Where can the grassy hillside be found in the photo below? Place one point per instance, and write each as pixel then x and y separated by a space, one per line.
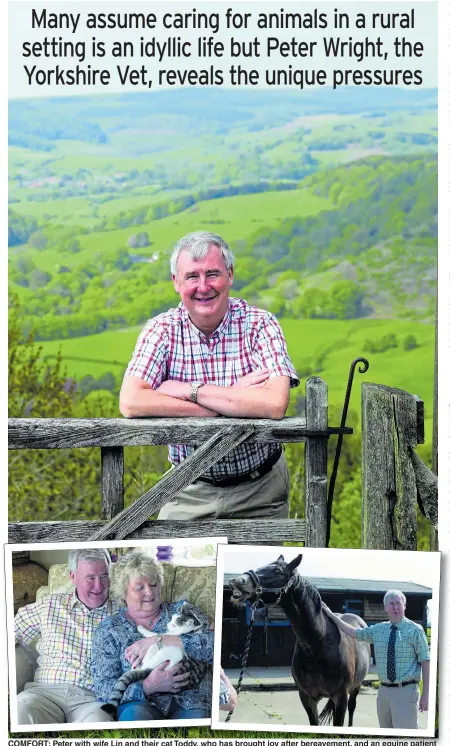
pixel 329 203
pixel 330 206
pixel 235 217
pixel 357 241
pixel 316 347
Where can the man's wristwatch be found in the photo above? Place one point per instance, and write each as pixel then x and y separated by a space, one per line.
pixel 195 385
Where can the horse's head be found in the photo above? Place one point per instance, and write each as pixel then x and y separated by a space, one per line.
pixel 271 578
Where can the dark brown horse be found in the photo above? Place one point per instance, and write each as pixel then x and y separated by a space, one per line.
pixel 326 662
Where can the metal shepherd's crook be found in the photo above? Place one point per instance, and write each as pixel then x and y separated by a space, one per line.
pixel 363 369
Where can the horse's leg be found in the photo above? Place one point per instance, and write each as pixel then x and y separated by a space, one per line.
pixel 340 708
pixel 311 708
pixel 352 704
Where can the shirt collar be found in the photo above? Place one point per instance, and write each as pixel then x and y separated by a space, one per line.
pixel 75 601
pixel 217 333
pixel 397 625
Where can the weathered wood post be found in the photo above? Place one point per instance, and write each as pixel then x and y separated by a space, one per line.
pixel 316 462
pixel 112 481
pixel 392 424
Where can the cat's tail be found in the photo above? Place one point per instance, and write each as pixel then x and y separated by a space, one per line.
pixel 127 678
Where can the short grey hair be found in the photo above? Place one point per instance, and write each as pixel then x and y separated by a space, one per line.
pixel 88 555
pixel 134 564
pixel 198 244
pixel 392 593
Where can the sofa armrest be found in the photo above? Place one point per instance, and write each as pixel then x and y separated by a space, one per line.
pixel 26 663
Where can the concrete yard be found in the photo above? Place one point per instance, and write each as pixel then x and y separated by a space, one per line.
pixel 283 706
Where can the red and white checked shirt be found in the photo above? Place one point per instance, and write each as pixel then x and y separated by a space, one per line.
pixel 170 347
pixel 66 629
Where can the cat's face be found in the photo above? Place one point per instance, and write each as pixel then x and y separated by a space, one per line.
pixel 183 622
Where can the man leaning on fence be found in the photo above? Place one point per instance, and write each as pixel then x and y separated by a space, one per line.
pixel 63 686
pixel 214 355
pixel 402 657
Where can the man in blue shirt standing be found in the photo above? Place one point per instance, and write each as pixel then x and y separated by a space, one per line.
pixel 402 657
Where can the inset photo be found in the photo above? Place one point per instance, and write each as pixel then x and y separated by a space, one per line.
pixel 111 631
pixel 327 640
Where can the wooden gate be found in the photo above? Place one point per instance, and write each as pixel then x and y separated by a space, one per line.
pixel 393 475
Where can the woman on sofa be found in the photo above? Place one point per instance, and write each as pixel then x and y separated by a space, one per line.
pixel 137 580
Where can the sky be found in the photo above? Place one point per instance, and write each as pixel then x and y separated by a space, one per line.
pixel 415 567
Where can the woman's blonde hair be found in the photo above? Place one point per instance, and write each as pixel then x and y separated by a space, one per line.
pixel 134 564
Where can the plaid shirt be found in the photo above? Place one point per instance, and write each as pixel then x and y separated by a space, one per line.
pixel 66 628
pixel 411 648
pixel 170 347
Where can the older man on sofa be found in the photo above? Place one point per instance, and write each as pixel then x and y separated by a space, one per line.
pixel 63 689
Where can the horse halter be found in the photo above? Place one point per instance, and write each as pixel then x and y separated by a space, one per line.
pixel 260 589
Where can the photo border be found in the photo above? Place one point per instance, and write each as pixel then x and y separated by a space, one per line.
pixel 110 544
pixel 364 555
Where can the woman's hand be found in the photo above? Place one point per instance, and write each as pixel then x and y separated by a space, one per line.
pixel 163 680
pixel 255 379
pixel 135 653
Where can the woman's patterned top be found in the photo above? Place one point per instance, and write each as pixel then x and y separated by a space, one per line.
pixel 116 633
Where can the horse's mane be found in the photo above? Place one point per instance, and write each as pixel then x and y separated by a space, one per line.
pixel 307 591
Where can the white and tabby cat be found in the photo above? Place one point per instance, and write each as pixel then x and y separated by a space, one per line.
pixel 182 623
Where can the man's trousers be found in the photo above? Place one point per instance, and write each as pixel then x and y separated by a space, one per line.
pixel 266 497
pixel 58 703
pixel 397 707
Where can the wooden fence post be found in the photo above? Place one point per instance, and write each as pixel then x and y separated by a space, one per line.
pixel 112 481
pixel 316 463
pixel 392 422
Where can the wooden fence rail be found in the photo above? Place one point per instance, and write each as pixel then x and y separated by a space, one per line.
pixel 213 438
pixel 393 475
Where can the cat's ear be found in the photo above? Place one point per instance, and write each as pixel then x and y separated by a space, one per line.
pixel 185 607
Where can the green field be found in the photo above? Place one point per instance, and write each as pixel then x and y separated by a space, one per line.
pixel 306 340
pixel 235 217
pixel 79 210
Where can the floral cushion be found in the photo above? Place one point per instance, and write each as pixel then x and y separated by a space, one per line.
pixel 58 582
pixel 196 585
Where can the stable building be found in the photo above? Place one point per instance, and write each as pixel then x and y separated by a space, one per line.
pixel 273 639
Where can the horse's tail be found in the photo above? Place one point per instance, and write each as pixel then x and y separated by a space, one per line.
pixel 327 714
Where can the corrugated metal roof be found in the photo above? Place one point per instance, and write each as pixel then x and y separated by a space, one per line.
pixel 357 584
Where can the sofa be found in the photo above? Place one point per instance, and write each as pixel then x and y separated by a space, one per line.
pixel 194 584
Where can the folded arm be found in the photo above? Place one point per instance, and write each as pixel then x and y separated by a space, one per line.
pixel 138 399
pixel 268 398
